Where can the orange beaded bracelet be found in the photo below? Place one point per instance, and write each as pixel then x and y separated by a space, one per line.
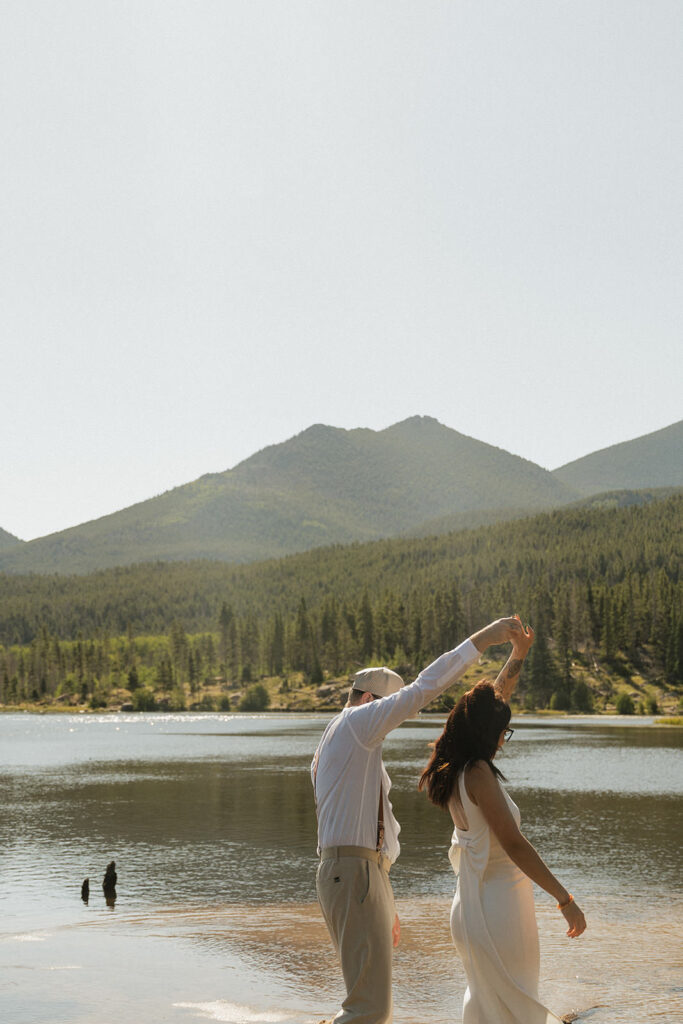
pixel 561 906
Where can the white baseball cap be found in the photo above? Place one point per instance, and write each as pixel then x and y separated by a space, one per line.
pixel 380 681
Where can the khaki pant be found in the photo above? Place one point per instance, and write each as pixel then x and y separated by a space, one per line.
pixel 357 902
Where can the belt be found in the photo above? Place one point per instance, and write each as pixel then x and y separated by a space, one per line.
pixel 333 852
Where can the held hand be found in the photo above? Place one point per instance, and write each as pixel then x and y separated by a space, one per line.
pixel 522 642
pixel 396 932
pixel 575 919
pixel 499 632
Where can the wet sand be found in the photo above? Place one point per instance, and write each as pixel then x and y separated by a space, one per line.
pixel 273 964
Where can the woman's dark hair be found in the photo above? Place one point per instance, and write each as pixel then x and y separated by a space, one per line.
pixel 471 733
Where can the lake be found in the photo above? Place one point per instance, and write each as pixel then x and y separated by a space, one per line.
pixel 211 822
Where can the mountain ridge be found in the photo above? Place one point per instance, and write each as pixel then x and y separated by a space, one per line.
pixel 8 541
pixel 329 485
pixel 651 460
pixel 323 486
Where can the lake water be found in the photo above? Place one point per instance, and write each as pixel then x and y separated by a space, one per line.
pixel 211 822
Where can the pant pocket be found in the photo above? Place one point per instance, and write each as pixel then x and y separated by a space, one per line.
pixel 365 875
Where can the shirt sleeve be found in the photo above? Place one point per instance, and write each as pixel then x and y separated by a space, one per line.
pixel 371 722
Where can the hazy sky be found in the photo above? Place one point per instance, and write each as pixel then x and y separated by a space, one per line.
pixel 225 221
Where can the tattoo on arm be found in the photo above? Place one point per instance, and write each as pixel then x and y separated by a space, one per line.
pixel 515 667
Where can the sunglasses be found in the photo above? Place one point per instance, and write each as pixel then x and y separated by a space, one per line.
pixel 508 734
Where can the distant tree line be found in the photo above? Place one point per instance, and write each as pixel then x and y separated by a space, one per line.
pixel 603 584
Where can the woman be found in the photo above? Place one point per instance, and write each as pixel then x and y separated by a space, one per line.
pixel 493 921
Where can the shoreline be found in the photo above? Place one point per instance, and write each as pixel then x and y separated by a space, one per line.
pixel 671 720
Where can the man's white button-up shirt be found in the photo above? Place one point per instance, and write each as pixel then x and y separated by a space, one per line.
pixel 347 766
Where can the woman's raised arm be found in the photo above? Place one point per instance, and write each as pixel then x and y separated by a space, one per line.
pixel 509 674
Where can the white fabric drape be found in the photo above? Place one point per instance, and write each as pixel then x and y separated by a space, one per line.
pixel 493 924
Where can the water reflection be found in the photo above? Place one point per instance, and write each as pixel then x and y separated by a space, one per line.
pixel 247 818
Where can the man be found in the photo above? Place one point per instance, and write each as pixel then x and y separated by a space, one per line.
pixel 357 830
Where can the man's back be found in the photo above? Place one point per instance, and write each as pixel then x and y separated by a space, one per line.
pixel 346 776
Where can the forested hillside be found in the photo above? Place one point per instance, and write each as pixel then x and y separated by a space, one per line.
pixel 602 587
pixel 654 460
pixel 604 500
pixel 324 486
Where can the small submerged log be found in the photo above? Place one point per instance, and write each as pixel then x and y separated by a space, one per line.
pixel 110 876
pixel 109 884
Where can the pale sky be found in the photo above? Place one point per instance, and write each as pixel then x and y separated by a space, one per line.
pixel 222 222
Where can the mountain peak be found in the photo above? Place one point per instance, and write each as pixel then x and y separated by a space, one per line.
pixel 414 424
pixel 419 421
pixel 319 430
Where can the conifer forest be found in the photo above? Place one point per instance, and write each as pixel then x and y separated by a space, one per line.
pixel 602 588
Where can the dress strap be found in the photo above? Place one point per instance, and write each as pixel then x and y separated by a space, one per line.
pixel 462 788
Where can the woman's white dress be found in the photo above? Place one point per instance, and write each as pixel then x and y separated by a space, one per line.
pixel 493 924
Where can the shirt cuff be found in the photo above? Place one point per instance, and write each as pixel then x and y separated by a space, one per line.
pixel 468 651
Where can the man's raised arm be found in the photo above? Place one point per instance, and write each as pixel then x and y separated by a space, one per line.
pixel 379 717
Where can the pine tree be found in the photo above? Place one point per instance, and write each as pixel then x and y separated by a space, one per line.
pixel 563 694
pixel 277 646
pixel 608 640
pixel 225 620
pixel 367 639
